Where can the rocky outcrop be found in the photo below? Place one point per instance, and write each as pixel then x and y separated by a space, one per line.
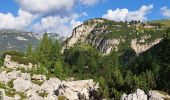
pixel 74 90
pixel 107 36
pixel 140 95
pixel 139 48
pixel 14 65
pixel 22 85
pixel 50 85
pixel 81 32
pixel 157 95
pixel 41 78
pixel 51 89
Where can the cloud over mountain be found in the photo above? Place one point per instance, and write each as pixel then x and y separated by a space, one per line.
pixel 124 14
pixel 165 11
pixel 10 21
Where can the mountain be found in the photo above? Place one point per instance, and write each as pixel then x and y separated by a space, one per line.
pixel 107 35
pixel 16 40
pixel 19 40
pixel 165 22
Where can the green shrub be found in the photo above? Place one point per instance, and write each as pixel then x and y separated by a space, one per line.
pixel 61 97
pixel 10 83
pixel 43 94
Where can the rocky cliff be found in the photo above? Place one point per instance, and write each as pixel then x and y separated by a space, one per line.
pixel 107 35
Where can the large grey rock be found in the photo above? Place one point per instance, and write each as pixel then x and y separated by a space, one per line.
pixel 17 97
pixel 138 95
pixel 74 90
pixel 35 97
pixel 8 98
pixel 51 97
pixel 39 77
pixel 6 77
pixel 2 94
pixel 13 75
pixel 14 65
pixel 21 84
pixel 155 95
pixel 32 90
pixel 50 85
pixel 3 77
pixel 26 76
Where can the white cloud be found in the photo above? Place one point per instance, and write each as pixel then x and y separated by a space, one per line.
pixel 56 24
pixel 125 14
pixel 45 6
pixel 165 11
pixel 9 21
pixel 117 15
pixel 89 2
pixel 56 16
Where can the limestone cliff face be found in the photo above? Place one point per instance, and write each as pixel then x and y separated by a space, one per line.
pixel 106 36
pixel 81 32
pixel 142 48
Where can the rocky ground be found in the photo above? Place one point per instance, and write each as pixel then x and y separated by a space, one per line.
pixel 141 95
pixel 16 85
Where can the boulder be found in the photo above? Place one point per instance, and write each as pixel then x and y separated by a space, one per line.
pixel 14 65
pixel 39 77
pixel 155 95
pixel 3 77
pixel 26 76
pixel 13 75
pixel 50 85
pixel 138 95
pixel 35 97
pixel 34 89
pixel 74 90
pixel 51 97
pixel 2 94
pixel 17 97
pixel 8 98
pixel 21 85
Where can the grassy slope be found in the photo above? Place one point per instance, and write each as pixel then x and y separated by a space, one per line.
pixel 166 22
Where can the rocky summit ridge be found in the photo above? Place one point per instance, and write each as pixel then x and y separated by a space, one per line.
pixel 107 35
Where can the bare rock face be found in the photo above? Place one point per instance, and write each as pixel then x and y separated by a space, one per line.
pixel 155 95
pixel 142 48
pixel 26 76
pixel 81 32
pixel 140 95
pixel 50 85
pixel 41 78
pixel 107 37
pixel 6 77
pixel 14 65
pixel 74 90
pixel 22 85
pixel 2 94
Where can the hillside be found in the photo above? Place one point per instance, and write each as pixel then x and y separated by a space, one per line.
pixel 107 35
pixel 19 40
pixel 136 56
pixel 165 22
pixel 16 40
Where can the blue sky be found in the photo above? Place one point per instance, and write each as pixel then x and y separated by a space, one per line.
pixel 61 16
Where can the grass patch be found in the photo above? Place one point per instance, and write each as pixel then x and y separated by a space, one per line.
pixel 37 82
pixel 10 83
pixel 162 92
pixel 43 94
pixel 22 95
pixel 61 97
